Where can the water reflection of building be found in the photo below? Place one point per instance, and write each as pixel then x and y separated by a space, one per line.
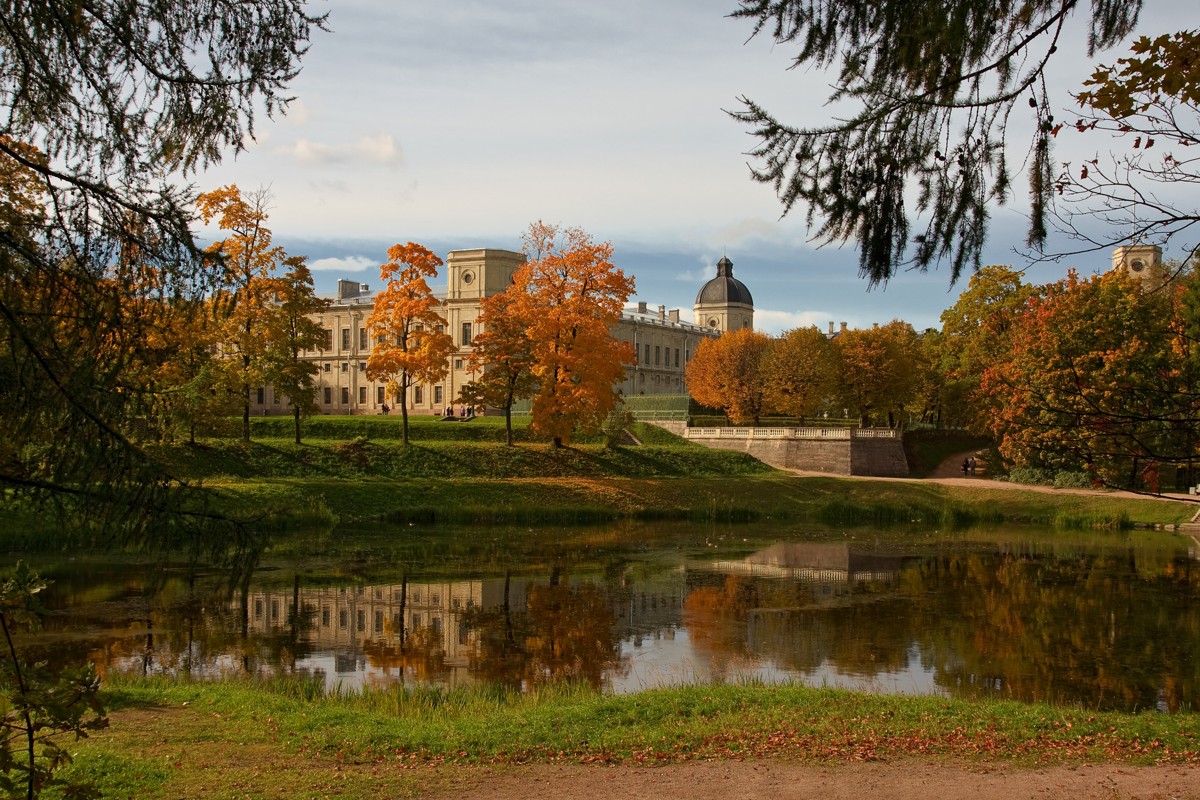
pixel 815 562
pixel 351 620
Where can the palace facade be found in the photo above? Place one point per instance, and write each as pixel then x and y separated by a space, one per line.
pixel 664 343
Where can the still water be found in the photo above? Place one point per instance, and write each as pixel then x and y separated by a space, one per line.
pixel 1105 621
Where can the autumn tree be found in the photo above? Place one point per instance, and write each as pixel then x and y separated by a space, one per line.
pixel 570 294
pixel 411 346
pixel 502 355
pixel 922 99
pixel 1102 376
pixel 123 100
pixel 1143 189
pixel 246 296
pixel 293 331
pixel 877 370
pixel 727 373
pixel 976 334
pixel 800 371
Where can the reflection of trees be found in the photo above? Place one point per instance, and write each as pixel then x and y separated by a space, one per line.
pixel 565 633
pixel 1087 630
pixel 420 656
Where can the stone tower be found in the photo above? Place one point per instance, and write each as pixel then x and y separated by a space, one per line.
pixel 1142 262
pixel 724 303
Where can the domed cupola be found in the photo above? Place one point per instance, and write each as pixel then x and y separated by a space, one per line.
pixel 724 303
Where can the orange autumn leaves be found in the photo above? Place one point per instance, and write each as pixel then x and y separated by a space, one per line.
pixel 547 337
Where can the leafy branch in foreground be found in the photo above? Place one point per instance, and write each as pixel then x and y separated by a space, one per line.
pixel 40 706
pixel 926 90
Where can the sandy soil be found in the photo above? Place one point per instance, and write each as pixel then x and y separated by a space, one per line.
pixel 907 780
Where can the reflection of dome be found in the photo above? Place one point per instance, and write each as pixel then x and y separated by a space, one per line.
pixel 724 288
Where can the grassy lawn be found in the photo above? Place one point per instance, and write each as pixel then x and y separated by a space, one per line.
pixel 288 740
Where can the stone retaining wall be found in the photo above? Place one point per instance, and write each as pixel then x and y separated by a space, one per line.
pixel 870 452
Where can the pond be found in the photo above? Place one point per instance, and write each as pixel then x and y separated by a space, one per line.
pixel 1108 621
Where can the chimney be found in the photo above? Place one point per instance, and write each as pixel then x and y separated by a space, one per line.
pixel 831 327
pixel 843 327
pixel 673 315
pixel 642 309
pixel 662 313
pixel 346 288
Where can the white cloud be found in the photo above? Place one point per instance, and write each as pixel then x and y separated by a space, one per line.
pixel 694 276
pixel 310 152
pixel 770 321
pixel 380 148
pixel 345 264
pixel 377 148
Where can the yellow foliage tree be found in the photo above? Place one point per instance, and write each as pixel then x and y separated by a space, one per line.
pixel 570 294
pixel 411 343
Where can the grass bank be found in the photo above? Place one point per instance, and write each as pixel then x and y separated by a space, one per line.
pixel 286 738
pixel 772 496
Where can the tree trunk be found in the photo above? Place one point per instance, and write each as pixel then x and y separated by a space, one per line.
pixel 508 424
pixel 296 417
pixel 404 416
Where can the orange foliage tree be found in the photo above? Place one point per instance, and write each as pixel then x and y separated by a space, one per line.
pixel 503 355
pixel 1102 376
pixel 294 331
pixel 411 344
pixel 570 295
pixel 878 370
pixel 726 373
pixel 247 292
pixel 800 372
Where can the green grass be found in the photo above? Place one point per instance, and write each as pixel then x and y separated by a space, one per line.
pixel 177 739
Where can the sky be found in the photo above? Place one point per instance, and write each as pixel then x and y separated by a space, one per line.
pixel 457 123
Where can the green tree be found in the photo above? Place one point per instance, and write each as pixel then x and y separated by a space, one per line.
pixel 799 371
pixel 293 332
pixel 124 98
pixel 922 95
pixel 411 344
pixel 502 354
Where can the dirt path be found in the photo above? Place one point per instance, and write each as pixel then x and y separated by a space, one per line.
pixel 904 780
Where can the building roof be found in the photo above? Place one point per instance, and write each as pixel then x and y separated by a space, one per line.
pixel 724 288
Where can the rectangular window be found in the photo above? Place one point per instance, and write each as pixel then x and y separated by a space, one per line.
pixel 345 395
pixel 362 394
pixel 260 394
pixel 342 618
pixel 458 363
pixel 345 366
pixel 437 395
pixel 378 622
pixel 327 366
pixel 328 395
pixel 362 338
pixel 379 395
pixel 361 619
pixel 362 366
pixel 328 343
pixel 325 617
pixel 646 360
pixel 258 609
pixel 657 355
pixel 418 395
pixel 466 334
pixel 345 338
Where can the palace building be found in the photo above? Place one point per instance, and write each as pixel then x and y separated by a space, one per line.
pixel 664 343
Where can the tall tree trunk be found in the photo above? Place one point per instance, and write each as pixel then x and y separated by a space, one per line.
pixel 508 424
pixel 296 417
